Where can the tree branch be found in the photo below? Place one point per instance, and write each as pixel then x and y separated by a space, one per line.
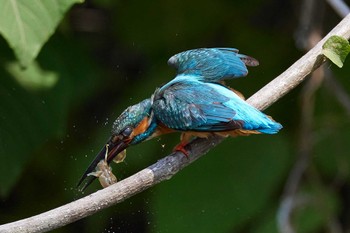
pixel 165 168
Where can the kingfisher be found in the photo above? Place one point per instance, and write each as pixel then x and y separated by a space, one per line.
pixel 196 103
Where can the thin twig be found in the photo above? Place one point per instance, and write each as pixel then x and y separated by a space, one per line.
pixel 167 167
pixel 311 16
pixel 340 7
pixel 309 33
pixel 290 196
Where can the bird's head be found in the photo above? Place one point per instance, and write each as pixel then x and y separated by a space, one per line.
pixel 133 126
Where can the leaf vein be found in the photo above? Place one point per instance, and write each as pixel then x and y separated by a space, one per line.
pixel 19 22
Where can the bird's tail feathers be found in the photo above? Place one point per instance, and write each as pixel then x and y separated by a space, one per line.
pixel 249 61
pixel 272 128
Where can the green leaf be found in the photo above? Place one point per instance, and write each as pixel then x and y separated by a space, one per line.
pixel 32 78
pixel 27 25
pixel 336 48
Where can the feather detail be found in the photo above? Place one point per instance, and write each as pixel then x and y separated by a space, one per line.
pixel 212 64
pixel 191 105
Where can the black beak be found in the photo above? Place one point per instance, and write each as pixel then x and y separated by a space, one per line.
pixel 113 150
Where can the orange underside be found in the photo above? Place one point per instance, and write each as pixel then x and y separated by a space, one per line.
pixel 141 127
pixel 186 137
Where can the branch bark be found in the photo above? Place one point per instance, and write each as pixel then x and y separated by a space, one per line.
pixel 165 168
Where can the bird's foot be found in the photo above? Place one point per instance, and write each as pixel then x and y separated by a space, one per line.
pixel 181 148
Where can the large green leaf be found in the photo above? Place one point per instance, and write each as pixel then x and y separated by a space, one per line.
pixel 27 25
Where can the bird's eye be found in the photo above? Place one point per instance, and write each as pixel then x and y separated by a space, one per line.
pixel 127 131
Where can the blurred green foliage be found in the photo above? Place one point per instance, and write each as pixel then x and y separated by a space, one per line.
pixel 106 55
pixel 27 25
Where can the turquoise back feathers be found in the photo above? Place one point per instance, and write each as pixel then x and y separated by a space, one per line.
pixel 192 105
pixel 212 64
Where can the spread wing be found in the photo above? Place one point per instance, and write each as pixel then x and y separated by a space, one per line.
pixel 212 64
pixel 184 106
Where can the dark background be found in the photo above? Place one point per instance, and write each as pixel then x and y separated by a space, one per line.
pixel 112 54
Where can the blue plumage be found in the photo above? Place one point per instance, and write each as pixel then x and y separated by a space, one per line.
pixel 196 102
pixel 189 104
pixel 212 64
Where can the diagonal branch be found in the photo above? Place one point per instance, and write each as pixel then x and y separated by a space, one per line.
pixel 339 7
pixel 165 168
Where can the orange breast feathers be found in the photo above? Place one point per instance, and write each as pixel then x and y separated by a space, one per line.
pixel 141 127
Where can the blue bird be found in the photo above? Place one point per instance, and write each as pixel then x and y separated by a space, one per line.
pixel 196 103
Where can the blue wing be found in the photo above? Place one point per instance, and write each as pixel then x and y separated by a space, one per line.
pixel 212 64
pixel 207 107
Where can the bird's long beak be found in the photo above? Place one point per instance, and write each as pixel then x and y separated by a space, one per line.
pixel 108 152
